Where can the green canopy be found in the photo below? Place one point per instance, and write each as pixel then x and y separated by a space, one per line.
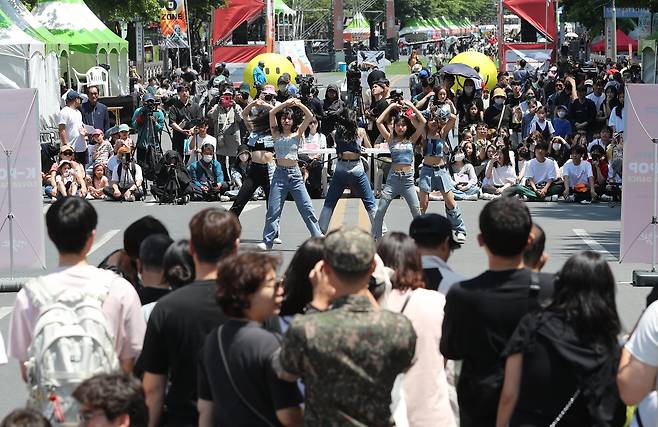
pixel 19 15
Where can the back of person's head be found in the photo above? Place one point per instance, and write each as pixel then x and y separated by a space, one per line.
pixel 139 230
pixel 178 265
pixel 533 254
pixel 117 395
pixel 238 277
pixel 399 253
pixel 350 253
pixel 213 234
pixel 297 287
pixel 505 225
pixel 430 231
pixel 25 418
pixel 585 290
pixel 152 251
pixel 70 222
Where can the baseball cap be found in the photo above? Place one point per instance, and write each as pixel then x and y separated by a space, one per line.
pixel 124 128
pixel 499 91
pixel 269 89
pixel 63 162
pixel 65 147
pixel 148 97
pixel 423 74
pixel 416 68
pixel 589 82
pixel 228 92
pixel 562 107
pixel 71 95
pixel 219 80
pixel 349 249
pixel 430 230
pixel 97 132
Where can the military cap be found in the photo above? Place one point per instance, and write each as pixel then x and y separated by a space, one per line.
pixel 349 249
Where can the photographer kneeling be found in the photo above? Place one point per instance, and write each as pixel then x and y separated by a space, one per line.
pixel 207 177
pixel 148 121
pixel 127 179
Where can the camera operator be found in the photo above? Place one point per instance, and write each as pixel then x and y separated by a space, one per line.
pixel 148 121
pixel 333 108
pixel 285 89
pixel 126 180
pixel 226 116
pixel 181 115
pixel 379 91
pixel 308 95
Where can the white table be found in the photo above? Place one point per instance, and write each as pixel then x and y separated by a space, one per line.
pixel 372 155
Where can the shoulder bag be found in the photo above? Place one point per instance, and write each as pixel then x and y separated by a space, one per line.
pixel 260 416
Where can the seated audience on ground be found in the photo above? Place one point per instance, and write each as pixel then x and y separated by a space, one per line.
pixel 127 180
pixel 207 176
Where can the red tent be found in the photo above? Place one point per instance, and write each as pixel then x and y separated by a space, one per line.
pixel 536 12
pixel 622 43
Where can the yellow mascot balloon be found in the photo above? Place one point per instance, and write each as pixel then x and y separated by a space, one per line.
pixel 275 65
pixel 488 69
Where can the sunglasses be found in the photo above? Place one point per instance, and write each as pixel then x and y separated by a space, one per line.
pixel 67 153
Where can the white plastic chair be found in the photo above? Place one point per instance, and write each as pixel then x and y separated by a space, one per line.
pixel 81 79
pixel 98 76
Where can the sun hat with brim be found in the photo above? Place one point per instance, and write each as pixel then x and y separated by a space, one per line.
pixel 65 147
pixel 124 128
pixel 269 89
pixel 97 132
pixel 64 162
pixel 499 91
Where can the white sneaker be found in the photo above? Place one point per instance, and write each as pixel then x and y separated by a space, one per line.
pixel 278 241
pixel 458 237
pixel 262 246
pixel 224 198
pixel 571 198
pixel 606 198
pixel 470 197
pixel 585 202
pixel 551 198
pixel 487 196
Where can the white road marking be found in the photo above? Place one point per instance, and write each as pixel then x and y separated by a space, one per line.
pixel 4 311
pixel 593 244
pixel 103 240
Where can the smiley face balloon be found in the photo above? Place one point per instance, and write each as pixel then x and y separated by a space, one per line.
pixel 488 69
pixel 275 65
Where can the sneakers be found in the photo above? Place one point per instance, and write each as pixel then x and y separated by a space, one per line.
pixel 488 196
pixel 224 198
pixel 606 198
pixel 551 198
pixel 458 237
pixel 262 247
pixel 470 197
pixel 585 202
pixel 278 241
pixel 570 198
pixel 130 198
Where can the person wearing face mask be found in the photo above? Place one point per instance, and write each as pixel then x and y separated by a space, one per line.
pixel 207 176
pixel 561 123
pixel 465 99
pixel 559 150
pixel 282 92
pixel 560 97
pixel 226 117
pixel 498 114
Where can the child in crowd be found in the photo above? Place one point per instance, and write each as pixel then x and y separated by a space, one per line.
pixel 102 148
pixel 97 182
pixel 561 124
pixel 66 180
pixel 542 125
pixel 528 118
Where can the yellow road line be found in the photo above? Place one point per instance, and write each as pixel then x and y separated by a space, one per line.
pixel 364 219
pixel 339 214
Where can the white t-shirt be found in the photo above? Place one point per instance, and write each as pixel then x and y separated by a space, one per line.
pixel 541 172
pixel 577 174
pixel 502 175
pixel 535 124
pixel 127 180
pixel 72 120
pixel 643 345
pixel 597 100
pixel 595 142
pixel 615 122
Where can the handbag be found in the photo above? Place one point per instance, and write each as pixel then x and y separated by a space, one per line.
pixel 260 416
pixel 565 409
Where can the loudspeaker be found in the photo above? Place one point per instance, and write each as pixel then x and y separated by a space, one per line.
pixel 528 32
pixel 645 278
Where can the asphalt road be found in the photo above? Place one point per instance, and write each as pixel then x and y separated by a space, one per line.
pixel 570 228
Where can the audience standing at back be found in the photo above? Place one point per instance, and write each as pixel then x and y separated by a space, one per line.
pixel 181 320
pixel 150 268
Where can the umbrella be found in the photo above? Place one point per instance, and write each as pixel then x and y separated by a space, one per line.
pixel 460 70
pixel 571 35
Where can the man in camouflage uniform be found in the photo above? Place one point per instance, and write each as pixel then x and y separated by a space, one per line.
pixel 349 355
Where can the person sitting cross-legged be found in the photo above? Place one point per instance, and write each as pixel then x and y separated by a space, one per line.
pixel 540 174
pixel 207 176
pixel 126 180
pixel 578 177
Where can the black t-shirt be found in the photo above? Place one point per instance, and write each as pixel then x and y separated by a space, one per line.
pixel 480 316
pixel 175 333
pixel 148 295
pixel 183 114
pixel 248 349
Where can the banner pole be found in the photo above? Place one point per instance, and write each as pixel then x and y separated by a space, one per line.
pixel 10 216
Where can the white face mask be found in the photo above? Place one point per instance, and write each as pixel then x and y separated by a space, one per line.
pixel 556 146
pixel 244 157
pixel 468 90
pixel 207 158
pixel 282 88
pixel 561 114
pixel 499 101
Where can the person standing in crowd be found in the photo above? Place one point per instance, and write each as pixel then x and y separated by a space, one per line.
pixel 559 97
pixel 521 75
pixel 424 386
pixel 347 381
pixel 287 178
pixel 237 385
pixel 112 399
pixel 225 117
pixel 616 120
pixel 349 172
pixel 333 108
pixel 582 113
pixel 259 77
pixel 150 268
pixel 578 177
pixel 597 96
pixel 482 313
pixel 535 257
pixel 95 113
pixel 466 99
pixel 147 134
pixel 25 418
pixel 71 225
pixel 181 320
pixel 498 114
pixel 182 116
pixel 561 361
pixel 400 140
pixel 379 90
pixel 298 297
pixel 71 128
pixel 540 174
pixel 414 80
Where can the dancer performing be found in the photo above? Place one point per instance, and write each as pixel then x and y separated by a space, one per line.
pixel 348 140
pixel 400 181
pixel 434 175
pixel 287 176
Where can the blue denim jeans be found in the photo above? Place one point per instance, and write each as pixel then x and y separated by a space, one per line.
pixel 348 174
pixel 459 194
pixel 288 180
pixel 434 179
pixel 397 184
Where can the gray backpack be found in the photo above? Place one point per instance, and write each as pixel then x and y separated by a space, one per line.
pixel 71 342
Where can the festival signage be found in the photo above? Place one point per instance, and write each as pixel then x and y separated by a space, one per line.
pixel 173 25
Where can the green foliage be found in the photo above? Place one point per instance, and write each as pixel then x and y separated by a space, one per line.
pixel 483 11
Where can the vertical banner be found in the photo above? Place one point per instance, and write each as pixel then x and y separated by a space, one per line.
pixel 297 51
pixel 610 38
pixel 19 117
pixel 641 125
pixel 338 24
pixel 390 19
pixel 173 25
pixel 270 26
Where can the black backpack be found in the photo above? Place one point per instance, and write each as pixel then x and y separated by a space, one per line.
pixel 151 161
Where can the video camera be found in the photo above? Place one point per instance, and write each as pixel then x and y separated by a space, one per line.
pixel 150 106
pixel 353 76
pixel 305 83
pixel 396 96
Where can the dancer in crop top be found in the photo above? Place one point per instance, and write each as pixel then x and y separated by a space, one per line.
pixel 434 174
pixel 287 176
pixel 349 172
pixel 400 181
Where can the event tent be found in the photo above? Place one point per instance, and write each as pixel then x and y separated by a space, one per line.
pixel 358 29
pixel 90 41
pixel 623 41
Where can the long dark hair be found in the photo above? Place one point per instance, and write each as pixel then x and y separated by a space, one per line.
pixel 297 288
pixel 620 105
pixel 410 127
pixel 261 122
pixel 287 112
pixel 347 124
pixel 585 291
pixel 399 252
pixel 178 265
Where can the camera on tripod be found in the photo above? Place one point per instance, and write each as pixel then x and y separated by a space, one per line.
pixel 353 77
pixel 305 83
pixel 150 106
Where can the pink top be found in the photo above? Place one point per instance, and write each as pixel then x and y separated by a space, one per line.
pixel 122 308
pixel 425 384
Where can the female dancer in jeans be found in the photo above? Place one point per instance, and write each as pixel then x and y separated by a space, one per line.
pixel 434 174
pixel 349 170
pixel 287 176
pixel 400 181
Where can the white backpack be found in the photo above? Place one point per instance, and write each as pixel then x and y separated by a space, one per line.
pixel 71 342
